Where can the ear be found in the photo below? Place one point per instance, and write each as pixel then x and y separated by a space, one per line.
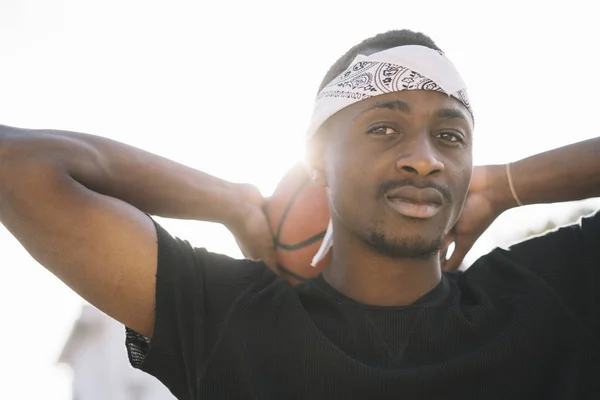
pixel 315 159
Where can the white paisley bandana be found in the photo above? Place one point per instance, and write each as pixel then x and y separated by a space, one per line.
pixel 393 70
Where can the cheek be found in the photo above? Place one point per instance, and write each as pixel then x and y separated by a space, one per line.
pixel 467 172
pixel 348 182
pixel 462 179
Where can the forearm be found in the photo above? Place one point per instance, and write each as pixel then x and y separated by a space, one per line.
pixel 565 174
pixel 151 183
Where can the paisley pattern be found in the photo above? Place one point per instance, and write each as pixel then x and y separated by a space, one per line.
pixel 366 79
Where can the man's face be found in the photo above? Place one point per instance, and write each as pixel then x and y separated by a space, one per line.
pixel 397 168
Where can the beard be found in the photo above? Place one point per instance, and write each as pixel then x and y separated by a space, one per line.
pixel 415 247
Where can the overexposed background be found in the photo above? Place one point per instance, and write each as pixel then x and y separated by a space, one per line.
pixel 227 87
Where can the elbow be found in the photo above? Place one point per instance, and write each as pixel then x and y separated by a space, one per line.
pixel 3 141
pixel 24 152
pixel 21 148
pixel 17 160
pixel 5 150
pixel 8 142
pixel 11 153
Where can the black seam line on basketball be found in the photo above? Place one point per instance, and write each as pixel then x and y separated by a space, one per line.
pixel 298 246
pixel 290 273
pixel 289 207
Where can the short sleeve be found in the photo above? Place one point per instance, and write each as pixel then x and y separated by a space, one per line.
pixel 568 260
pixel 195 290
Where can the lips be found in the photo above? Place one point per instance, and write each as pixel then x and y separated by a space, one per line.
pixel 416 195
pixel 415 202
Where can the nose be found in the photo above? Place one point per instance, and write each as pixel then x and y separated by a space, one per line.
pixel 418 157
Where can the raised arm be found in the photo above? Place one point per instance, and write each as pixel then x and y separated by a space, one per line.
pixel 76 202
pixel 565 174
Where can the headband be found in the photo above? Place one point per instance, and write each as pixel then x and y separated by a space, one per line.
pixel 393 70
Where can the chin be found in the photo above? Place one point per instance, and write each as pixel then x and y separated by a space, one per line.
pixel 418 247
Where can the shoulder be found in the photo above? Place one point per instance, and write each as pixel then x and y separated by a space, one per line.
pixel 564 250
pixel 560 266
pixel 564 244
pixel 188 274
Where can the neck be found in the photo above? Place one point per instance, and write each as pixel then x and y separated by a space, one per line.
pixel 369 278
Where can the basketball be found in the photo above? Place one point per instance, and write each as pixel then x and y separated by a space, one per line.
pixel 298 214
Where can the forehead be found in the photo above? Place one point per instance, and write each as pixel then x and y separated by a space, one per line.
pixel 424 103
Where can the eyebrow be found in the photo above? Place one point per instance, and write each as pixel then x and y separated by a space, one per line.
pixel 450 113
pixel 395 105
pixel 398 105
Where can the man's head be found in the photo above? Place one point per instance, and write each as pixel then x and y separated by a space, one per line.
pixel 397 166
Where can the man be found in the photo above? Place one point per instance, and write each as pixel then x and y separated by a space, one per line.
pixel 393 146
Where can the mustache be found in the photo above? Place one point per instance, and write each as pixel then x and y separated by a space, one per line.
pixel 386 186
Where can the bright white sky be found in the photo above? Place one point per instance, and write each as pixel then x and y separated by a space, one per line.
pixel 227 87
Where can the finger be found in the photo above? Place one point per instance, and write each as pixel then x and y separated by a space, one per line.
pixel 443 255
pixel 244 251
pixel 449 238
pixel 446 244
pixel 266 252
pixel 271 261
pixel 460 251
pixel 442 258
pixel 266 256
pixel 269 257
pixel 251 252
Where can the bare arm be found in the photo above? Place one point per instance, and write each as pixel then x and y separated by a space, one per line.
pixel 74 201
pixel 565 174
pixel 151 183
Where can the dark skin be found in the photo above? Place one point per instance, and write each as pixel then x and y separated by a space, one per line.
pixel 567 173
pixel 74 201
pixel 411 139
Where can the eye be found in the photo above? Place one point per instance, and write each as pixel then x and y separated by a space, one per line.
pixel 382 130
pixel 451 137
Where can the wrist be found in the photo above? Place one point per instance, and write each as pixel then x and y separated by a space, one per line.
pixel 235 205
pixel 498 189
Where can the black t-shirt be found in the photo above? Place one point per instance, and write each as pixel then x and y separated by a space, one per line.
pixel 522 323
